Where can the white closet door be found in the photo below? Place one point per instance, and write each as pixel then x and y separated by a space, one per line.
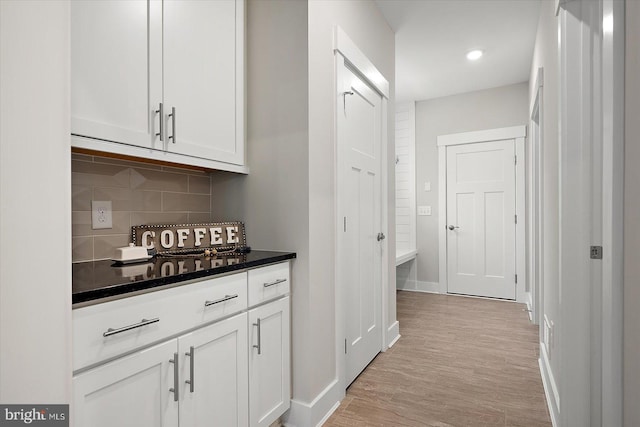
pixel 359 124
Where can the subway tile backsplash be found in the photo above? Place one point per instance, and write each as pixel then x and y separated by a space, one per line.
pixel 140 193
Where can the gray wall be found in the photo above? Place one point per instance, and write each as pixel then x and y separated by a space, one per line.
pixel 631 224
pixel 288 200
pixel 273 200
pixel 486 109
pixel 546 55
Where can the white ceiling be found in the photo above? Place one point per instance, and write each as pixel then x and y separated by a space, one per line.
pixel 434 36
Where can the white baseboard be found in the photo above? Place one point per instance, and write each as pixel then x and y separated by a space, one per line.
pixel 393 334
pixel 328 414
pixel 419 286
pixel 550 386
pixel 302 414
pixel 524 297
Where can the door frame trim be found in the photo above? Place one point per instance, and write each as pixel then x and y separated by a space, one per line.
pixel 518 134
pixel 535 187
pixel 347 53
pixel 591 141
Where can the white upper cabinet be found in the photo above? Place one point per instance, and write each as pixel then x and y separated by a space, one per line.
pixel 116 70
pixel 129 58
pixel 203 78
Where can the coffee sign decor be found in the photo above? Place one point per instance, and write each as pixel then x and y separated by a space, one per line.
pixel 184 238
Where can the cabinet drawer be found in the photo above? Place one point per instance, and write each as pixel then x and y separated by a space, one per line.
pixel 269 282
pixel 144 319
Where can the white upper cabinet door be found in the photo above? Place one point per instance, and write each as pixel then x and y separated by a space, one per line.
pixel 203 78
pixel 116 70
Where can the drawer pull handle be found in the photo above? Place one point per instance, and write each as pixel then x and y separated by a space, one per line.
pixel 143 322
pixel 174 389
pixel 276 282
pixel 259 346
pixel 191 354
pixel 218 301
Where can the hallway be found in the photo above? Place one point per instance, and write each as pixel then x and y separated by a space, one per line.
pixel 460 362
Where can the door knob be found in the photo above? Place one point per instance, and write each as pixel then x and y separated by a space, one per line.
pixel 452 227
pixel 381 236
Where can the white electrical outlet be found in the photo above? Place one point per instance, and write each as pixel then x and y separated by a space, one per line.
pixel 101 216
pixel 424 210
pixel 427 186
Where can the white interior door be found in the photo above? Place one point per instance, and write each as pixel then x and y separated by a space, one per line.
pixel 359 132
pixel 481 242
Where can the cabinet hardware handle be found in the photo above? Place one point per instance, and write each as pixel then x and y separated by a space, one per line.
pixel 259 346
pixel 143 322
pixel 160 112
pixel 218 301
pixel 266 285
pixel 344 100
pixel 173 124
pixel 174 389
pixel 192 355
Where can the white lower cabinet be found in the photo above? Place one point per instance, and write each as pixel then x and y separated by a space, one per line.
pixel 207 386
pixel 269 362
pixel 130 392
pixel 214 361
pixel 227 373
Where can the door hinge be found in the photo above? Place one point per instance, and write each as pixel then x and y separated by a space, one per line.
pixel 516 216
pixel 345 346
pixel 345 224
pixel 596 252
pixel 516 279
pixel 516 160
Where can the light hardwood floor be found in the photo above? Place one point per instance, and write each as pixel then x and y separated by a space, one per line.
pixel 460 362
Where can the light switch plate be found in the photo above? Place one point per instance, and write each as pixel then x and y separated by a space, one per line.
pixel 101 215
pixel 427 186
pixel 424 210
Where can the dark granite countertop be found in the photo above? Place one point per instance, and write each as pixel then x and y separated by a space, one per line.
pixel 94 281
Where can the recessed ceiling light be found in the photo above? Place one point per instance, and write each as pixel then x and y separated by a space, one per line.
pixel 474 54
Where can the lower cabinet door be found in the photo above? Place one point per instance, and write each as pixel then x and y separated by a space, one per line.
pixel 214 383
pixel 133 391
pixel 269 362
